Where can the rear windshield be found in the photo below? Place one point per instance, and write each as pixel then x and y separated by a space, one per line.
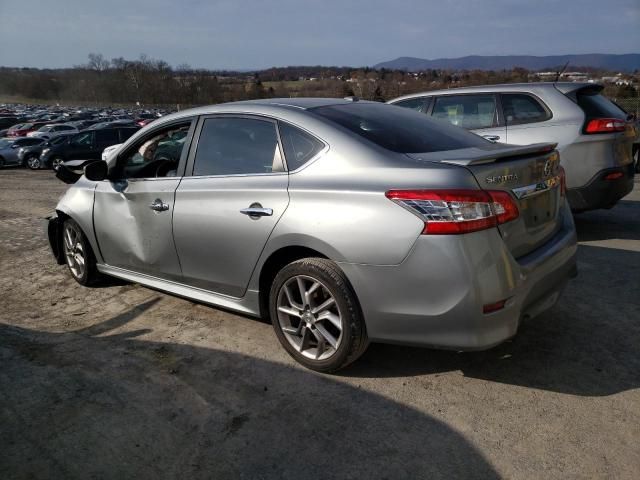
pixel 399 129
pixel 598 106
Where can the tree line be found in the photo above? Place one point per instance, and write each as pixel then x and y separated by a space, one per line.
pixel 152 82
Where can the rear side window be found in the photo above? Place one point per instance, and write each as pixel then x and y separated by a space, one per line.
pixel 299 147
pixel 596 105
pixel 466 111
pixel 107 136
pixel 125 133
pixel 519 108
pixel 398 129
pixel 419 104
pixel 237 146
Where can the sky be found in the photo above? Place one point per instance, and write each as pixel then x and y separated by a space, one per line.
pixel 254 34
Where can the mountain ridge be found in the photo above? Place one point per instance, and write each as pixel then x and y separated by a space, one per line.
pixel 626 62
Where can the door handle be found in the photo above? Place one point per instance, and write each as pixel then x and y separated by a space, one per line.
pixel 492 138
pixel 159 206
pixel 256 211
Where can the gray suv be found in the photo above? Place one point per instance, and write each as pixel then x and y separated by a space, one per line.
pixel 594 136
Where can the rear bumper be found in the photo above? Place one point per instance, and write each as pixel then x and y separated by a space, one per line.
pixel 436 296
pixel 601 192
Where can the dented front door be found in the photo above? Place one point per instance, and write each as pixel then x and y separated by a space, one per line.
pixel 133 225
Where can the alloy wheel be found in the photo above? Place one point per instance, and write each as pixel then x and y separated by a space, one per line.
pixel 74 250
pixel 309 317
pixel 33 162
pixel 56 162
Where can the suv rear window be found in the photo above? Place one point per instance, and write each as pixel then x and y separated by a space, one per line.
pixel 596 105
pixel 399 129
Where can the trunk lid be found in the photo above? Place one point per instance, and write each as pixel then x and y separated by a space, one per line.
pixel 530 174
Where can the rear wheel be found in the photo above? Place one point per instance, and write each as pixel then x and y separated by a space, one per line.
pixel 316 315
pixel 78 254
pixel 56 162
pixel 1 162
pixel 33 162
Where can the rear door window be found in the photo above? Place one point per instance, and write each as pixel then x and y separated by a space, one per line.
pixel 237 146
pixel 106 137
pixel 467 111
pixel 519 108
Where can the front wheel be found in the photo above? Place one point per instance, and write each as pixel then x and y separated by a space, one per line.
pixel 316 315
pixel 78 254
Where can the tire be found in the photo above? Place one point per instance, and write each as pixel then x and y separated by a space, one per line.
pixel 78 254
pixel 1 162
pixel 308 332
pixel 33 162
pixel 636 159
pixel 55 162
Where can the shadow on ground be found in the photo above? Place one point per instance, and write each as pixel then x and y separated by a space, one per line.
pixel 86 405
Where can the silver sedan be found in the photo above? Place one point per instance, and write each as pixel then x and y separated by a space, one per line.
pixel 342 221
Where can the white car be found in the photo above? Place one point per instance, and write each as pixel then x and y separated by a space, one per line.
pixel 49 131
pixel 107 151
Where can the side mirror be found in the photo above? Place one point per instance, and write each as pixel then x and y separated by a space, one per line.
pixel 96 171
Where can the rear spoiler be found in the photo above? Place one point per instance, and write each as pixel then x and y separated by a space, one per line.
pixel 492 154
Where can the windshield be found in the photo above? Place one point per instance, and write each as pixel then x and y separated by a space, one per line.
pixel 399 129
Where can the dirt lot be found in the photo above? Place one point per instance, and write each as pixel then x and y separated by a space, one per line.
pixel 126 382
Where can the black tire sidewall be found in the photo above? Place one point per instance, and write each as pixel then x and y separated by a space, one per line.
pixel 332 277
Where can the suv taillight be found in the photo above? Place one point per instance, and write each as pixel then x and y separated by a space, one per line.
pixel 451 212
pixel 605 125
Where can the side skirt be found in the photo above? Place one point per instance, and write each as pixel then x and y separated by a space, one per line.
pixel 248 305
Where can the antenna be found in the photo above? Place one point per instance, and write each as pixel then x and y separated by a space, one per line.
pixel 562 71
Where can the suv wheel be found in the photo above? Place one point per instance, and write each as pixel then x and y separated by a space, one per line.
pixel 78 254
pixel 316 315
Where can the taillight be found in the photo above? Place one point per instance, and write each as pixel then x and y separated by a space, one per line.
pixel 605 125
pixel 457 211
pixel 563 180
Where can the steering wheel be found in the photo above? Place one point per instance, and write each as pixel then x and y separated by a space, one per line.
pixel 165 165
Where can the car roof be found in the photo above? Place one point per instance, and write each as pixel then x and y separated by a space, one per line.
pixel 563 87
pixel 262 106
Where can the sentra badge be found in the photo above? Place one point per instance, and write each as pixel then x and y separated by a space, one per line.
pixel 512 177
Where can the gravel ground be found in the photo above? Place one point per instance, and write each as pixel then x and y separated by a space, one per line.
pixel 126 382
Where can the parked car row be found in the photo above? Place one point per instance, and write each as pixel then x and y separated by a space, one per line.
pixel 596 139
pixel 58 134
